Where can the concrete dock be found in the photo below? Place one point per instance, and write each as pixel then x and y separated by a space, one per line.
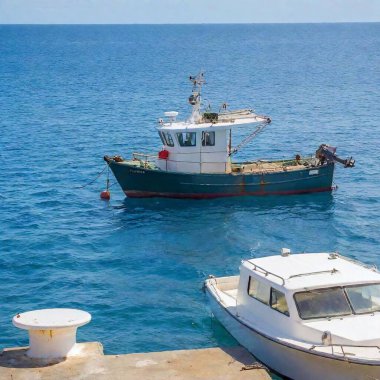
pixel 232 363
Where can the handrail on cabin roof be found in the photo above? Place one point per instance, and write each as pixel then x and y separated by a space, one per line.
pixel 332 256
pixel 332 271
pixel 266 272
pixel 336 255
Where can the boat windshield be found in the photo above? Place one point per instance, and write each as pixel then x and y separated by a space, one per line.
pixel 322 303
pixel 364 298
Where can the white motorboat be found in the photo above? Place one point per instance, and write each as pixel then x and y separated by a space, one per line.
pixel 306 316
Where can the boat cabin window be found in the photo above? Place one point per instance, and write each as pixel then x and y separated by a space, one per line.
pixel 259 290
pixel 166 138
pixel 187 138
pixel 322 303
pixel 208 138
pixel 267 295
pixel 278 301
pixel 162 138
pixel 364 298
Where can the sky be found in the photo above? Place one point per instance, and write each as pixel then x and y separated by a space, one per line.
pixel 186 11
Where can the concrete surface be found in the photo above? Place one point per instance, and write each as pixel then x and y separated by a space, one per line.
pixel 233 363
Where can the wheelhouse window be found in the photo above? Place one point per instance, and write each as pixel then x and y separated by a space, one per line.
pixel 278 301
pixel 208 138
pixel 364 298
pixel 162 137
pixel 259 290
pixel 322 303
pixel 187 138
pixel 166 138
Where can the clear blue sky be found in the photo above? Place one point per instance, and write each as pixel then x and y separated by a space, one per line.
pixel 185 11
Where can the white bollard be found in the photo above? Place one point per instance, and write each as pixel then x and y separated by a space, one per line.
pixel 52 332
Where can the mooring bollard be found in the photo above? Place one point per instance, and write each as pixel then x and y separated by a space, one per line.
pixel 52 332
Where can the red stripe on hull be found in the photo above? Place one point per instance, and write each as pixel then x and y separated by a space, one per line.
pixel 148 194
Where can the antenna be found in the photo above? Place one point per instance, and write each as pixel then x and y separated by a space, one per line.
pixel 195 97
pixel 198 80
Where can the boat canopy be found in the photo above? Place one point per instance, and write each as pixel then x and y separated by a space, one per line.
pixel 225 125
pixel 312 270
pixel 225 119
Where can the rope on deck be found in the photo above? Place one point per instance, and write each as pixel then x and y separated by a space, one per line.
pixel 255 365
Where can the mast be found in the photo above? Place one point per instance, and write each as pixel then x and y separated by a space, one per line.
pixel 195 97
pixel 230 143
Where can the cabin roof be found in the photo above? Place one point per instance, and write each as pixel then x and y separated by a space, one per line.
pixel 184 125
pixel 312 270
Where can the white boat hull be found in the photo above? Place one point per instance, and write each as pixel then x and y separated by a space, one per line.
pixel 290 362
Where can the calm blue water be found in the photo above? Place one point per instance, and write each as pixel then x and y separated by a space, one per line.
pixel 70 94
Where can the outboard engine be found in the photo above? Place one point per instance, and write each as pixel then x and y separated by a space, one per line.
pixel 326 153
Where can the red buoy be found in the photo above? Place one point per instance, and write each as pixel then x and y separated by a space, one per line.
pixel 106 195
pixel 163 154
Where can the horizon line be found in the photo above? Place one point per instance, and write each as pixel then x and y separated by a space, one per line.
pixel 193 23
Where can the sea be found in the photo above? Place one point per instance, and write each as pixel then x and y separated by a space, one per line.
pixel 71 94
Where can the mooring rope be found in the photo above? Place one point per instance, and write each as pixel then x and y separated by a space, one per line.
pixel 91 182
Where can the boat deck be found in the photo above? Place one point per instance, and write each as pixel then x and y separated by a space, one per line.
pixel 270 166
pixel 254 167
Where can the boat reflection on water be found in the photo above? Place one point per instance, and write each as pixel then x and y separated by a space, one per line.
pixel 307 206
pixel 316 202
pixel 225 229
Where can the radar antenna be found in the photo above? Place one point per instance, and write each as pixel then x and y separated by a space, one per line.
pixel 198 80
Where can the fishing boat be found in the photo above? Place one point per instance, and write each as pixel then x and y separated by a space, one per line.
pixel 196 159
pixel 306 316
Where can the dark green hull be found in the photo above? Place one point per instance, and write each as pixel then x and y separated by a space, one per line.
pixel 137 181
